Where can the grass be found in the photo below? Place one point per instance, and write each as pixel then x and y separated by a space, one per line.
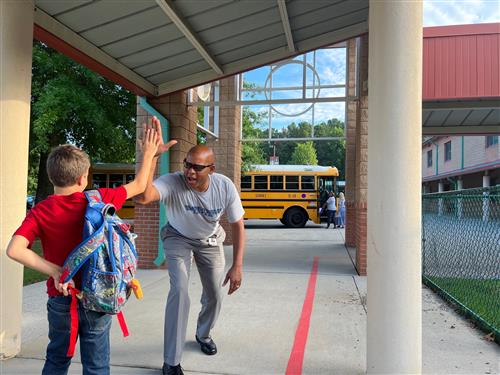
pixel 480 296
pixel 32 276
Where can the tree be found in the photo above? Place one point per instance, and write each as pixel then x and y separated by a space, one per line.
pixel 71 104
pixel 252 127
pixel 304 154
pixel 331 153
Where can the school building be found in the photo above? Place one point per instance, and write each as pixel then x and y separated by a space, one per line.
pixel 455 163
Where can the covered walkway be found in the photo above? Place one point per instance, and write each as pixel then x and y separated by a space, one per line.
pixel 261 324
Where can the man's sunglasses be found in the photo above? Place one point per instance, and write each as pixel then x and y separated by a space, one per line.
pixel 196 167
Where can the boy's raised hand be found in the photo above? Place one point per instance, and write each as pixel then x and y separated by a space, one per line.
pixel 150 141
pixel 162 147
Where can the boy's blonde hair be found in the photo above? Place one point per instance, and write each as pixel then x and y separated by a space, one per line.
pixel 65 164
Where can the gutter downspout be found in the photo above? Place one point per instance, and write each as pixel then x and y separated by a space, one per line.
pixel 463 156
pixel 164 168
pixel 437 156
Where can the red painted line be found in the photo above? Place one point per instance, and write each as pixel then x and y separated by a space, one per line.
pixel 296 359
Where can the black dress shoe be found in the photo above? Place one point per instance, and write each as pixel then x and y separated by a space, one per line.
pixel 209 348
pixel 172 370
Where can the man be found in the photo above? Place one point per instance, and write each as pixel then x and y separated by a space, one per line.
pixel 195 201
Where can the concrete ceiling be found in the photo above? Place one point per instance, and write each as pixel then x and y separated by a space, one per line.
pixel 465 117
pixel 163 46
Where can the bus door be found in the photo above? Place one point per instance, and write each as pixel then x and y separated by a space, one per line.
pixel 326 184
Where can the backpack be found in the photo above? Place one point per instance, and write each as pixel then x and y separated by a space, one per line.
pixel 107 260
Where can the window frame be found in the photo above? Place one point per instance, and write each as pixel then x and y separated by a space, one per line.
pixel 429 158
pixel 251 182
pixel 255 182
pixel 298 182
pixel 447 151
pixel 271 182
pixel 313 183
pixel 491 140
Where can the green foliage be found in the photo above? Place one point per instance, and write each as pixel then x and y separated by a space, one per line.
pixel 31 276
pixel 71 104
pixel 252 128
pixel 478 295
pixel 201 138
pixel 304 154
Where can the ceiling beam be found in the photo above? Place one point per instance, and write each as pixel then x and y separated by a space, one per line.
pixel 263 58
pixel 58 36
pixel 461 130
pixel 168 8
pixel 286 25
pixel 479 103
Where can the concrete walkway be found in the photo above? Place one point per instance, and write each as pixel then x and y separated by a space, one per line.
pixel 257 327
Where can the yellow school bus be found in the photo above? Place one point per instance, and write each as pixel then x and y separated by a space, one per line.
pixel 111 175
pixel 291 193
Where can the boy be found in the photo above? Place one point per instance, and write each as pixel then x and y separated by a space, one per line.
pixel 58 222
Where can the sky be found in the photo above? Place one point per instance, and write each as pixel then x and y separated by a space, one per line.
pixel 330 64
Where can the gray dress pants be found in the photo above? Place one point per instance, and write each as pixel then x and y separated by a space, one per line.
pixel 210 261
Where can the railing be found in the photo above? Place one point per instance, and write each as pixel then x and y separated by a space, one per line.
pixel 461 251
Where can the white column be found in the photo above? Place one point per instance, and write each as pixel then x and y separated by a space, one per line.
pixel 394 340
pixel 486 198
pixel 460 186
pixel 440 186
pixel 16 38
pixel 486 180
pixel 440 200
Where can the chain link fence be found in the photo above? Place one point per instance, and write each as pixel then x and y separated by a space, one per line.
pixel 461 251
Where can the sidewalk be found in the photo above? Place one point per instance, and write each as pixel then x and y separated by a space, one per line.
pixel 257 326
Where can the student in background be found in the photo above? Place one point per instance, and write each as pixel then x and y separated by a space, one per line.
pixel 331 209
pixel 341 210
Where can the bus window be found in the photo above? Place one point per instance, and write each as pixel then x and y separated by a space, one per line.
pixel 276 182
pixel 307 183
pixel 246 182
pixel 129 178
pixel 292 182
pixel 115 180
pixel 98 180
pixel 260 182
pixel 327 185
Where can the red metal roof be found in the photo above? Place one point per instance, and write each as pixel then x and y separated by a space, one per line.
pixel 461 61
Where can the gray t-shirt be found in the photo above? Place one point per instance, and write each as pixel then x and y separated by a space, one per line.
pixel 196 215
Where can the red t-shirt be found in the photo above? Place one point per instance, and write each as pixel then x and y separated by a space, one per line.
pixel 58 222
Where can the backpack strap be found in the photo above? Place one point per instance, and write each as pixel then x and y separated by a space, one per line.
pixel 95 201
pixel 93 196
pixel 74 322
pixel 82 252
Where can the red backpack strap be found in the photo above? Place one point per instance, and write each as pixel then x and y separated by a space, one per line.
pixel 74 321
pixel 123 324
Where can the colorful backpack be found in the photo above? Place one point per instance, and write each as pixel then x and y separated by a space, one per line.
pixel 107 260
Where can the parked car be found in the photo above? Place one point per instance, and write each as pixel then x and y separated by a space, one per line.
pixel 30 202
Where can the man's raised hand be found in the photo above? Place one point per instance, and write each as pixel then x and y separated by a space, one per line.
pixel 162 147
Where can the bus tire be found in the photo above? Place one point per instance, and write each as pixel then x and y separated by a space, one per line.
pixel 283 221
pixel 295 217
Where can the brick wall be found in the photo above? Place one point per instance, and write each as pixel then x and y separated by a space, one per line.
pixel 361 198
pixel 357 153
pixel 146 220
pixel 350 157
